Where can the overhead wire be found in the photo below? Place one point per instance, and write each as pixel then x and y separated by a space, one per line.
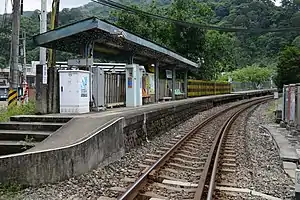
pixel 119 6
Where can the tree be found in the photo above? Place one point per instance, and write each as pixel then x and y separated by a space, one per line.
pixel 218 53
pixel 288 68
pixel 296 42
pixel 251 74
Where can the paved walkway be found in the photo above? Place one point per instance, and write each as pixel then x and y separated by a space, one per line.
pixel 288 146
pixel 84 125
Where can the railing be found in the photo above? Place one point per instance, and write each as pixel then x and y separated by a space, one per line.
pixel 245 86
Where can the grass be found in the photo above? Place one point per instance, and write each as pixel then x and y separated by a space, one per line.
pixel 9 191
pixel 272 108
pixel 26 109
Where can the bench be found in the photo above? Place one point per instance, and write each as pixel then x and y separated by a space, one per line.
pixel 166 99
pixel 145 96
pixel 178 92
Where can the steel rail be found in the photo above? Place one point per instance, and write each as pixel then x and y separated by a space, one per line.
pixel 225 129
pixel 134 189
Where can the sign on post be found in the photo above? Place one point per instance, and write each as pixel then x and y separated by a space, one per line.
pixel 45 74
pixel 168 74
pixel 80 62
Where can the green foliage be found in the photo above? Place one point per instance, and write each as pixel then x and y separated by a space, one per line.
pixel 288 68
pixel 220 51
pixel 296 42
pixel 9 191
pixel 250 74
pixel 26 109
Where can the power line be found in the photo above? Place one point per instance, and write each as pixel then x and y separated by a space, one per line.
pixel 128 9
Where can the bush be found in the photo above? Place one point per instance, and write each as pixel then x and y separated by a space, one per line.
pixel 26 109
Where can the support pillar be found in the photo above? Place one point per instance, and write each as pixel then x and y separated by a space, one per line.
pixel 173 83
pixel 41 91
pixel 98 87
pixel 156 79
pixel 185 79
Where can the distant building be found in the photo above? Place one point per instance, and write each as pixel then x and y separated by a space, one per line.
pixel 30 74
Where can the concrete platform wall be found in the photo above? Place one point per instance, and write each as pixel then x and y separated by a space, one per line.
pixel 107 144
pixel 50 166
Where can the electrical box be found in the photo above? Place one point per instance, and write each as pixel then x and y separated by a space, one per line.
pixel 74 91
pixel 285 104
pixel 131 84
pixel 291 103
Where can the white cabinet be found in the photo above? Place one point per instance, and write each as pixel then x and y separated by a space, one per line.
pixel 74 91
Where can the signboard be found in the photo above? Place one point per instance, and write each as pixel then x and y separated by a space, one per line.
pixel 45 74
pixel 168 74
pixel 80 62
pixel 83 86
pixel 276 96
pixel 151 84
pixel 129 82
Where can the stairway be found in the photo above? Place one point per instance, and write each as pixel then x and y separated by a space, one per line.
pixel 24 132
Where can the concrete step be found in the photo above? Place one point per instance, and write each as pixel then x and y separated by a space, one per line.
pixel 17 135
pixel 32 126
pixel 10 147
pixel 41 118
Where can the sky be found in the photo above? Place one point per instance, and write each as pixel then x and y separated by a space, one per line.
pixel 30 5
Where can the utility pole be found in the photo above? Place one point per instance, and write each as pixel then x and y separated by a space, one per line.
pixel 41 69
pixel 53 78
pixel 24 67
pixel 14 68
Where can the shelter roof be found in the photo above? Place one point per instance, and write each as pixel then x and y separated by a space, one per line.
pixel 110 42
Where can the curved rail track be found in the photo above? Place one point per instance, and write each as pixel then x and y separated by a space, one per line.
pixel 188 168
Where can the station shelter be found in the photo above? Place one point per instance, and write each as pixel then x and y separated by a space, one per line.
pixel 137 71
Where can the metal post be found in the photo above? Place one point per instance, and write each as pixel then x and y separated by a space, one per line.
pixel 24 56
pixel 173 82
pixel 88 49
pixel 24 70
pixel 156 79
pixel 14 72
pixel 185 84
pixel 43 29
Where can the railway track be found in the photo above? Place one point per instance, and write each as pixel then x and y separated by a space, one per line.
pixel 186 167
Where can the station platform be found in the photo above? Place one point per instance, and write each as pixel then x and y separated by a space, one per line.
pixel 83 125
pixel 87 140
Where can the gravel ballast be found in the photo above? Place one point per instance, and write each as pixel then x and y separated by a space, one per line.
pixel 259 167
pixel 268 178
pixel 92 185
